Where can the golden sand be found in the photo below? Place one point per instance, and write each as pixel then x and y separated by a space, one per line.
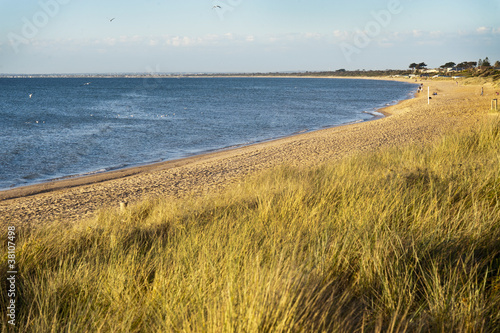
pixel 411 121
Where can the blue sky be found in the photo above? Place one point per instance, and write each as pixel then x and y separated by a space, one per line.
pixel 76 36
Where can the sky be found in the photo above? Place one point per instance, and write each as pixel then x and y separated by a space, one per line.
pixel 167 36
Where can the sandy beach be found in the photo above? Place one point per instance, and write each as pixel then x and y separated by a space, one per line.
pixel 412 121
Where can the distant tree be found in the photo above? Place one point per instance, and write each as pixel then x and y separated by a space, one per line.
pixel 341 70
pixel 497 64
pixel 486 62
pixel 448 65
pixel 421 65
pixel 479 63
pixel 416 66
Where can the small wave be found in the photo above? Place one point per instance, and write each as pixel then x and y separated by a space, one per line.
pixel 81 174
pixel 301 131
pixel 233 146
pixel 353 122
pixel 96 171
pixel 374 113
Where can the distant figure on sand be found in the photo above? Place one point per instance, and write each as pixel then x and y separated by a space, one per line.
pixel 482 91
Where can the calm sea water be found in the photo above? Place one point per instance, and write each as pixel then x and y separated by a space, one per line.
pixel 76 126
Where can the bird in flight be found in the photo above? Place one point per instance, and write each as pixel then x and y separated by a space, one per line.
pixel 111 19
pixel 216 7
pixel 30 95
pixel 86 84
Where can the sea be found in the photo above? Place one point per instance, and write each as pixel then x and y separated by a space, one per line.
pixel 55 128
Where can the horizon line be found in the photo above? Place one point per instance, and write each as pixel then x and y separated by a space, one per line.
pixel 149 74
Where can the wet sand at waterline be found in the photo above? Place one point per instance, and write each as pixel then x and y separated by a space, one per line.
pixel 454 107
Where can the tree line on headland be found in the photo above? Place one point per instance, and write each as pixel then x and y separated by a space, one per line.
pixel 482 68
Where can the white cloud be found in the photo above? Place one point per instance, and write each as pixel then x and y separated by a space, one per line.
pixel 211 37
pixel 174 41
pixel 431 42
pixel 312 35
pixel 187 41
pixel 306 37
pixel 483 30
pixel 340 34
pixel 417 33
pixel 109 41
pixel 385 39
pixel 133 39
pixel 435 34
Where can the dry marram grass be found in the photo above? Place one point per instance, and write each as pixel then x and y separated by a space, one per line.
pixel 403 239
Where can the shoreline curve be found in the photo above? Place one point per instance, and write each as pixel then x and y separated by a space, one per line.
pixel 70 181
pixel 412 121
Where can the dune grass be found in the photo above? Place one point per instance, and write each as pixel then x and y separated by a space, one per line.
pixel 481 80
pixel 398 240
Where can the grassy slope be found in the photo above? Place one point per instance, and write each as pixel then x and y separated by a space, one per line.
pixel 406 239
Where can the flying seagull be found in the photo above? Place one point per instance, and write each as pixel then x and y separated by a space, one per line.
pixel 31 95
pixel 111 19
pixel 86 84
pixel 216 7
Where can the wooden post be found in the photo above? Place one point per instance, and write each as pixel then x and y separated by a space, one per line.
pixel 494 105
pixel 123 205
